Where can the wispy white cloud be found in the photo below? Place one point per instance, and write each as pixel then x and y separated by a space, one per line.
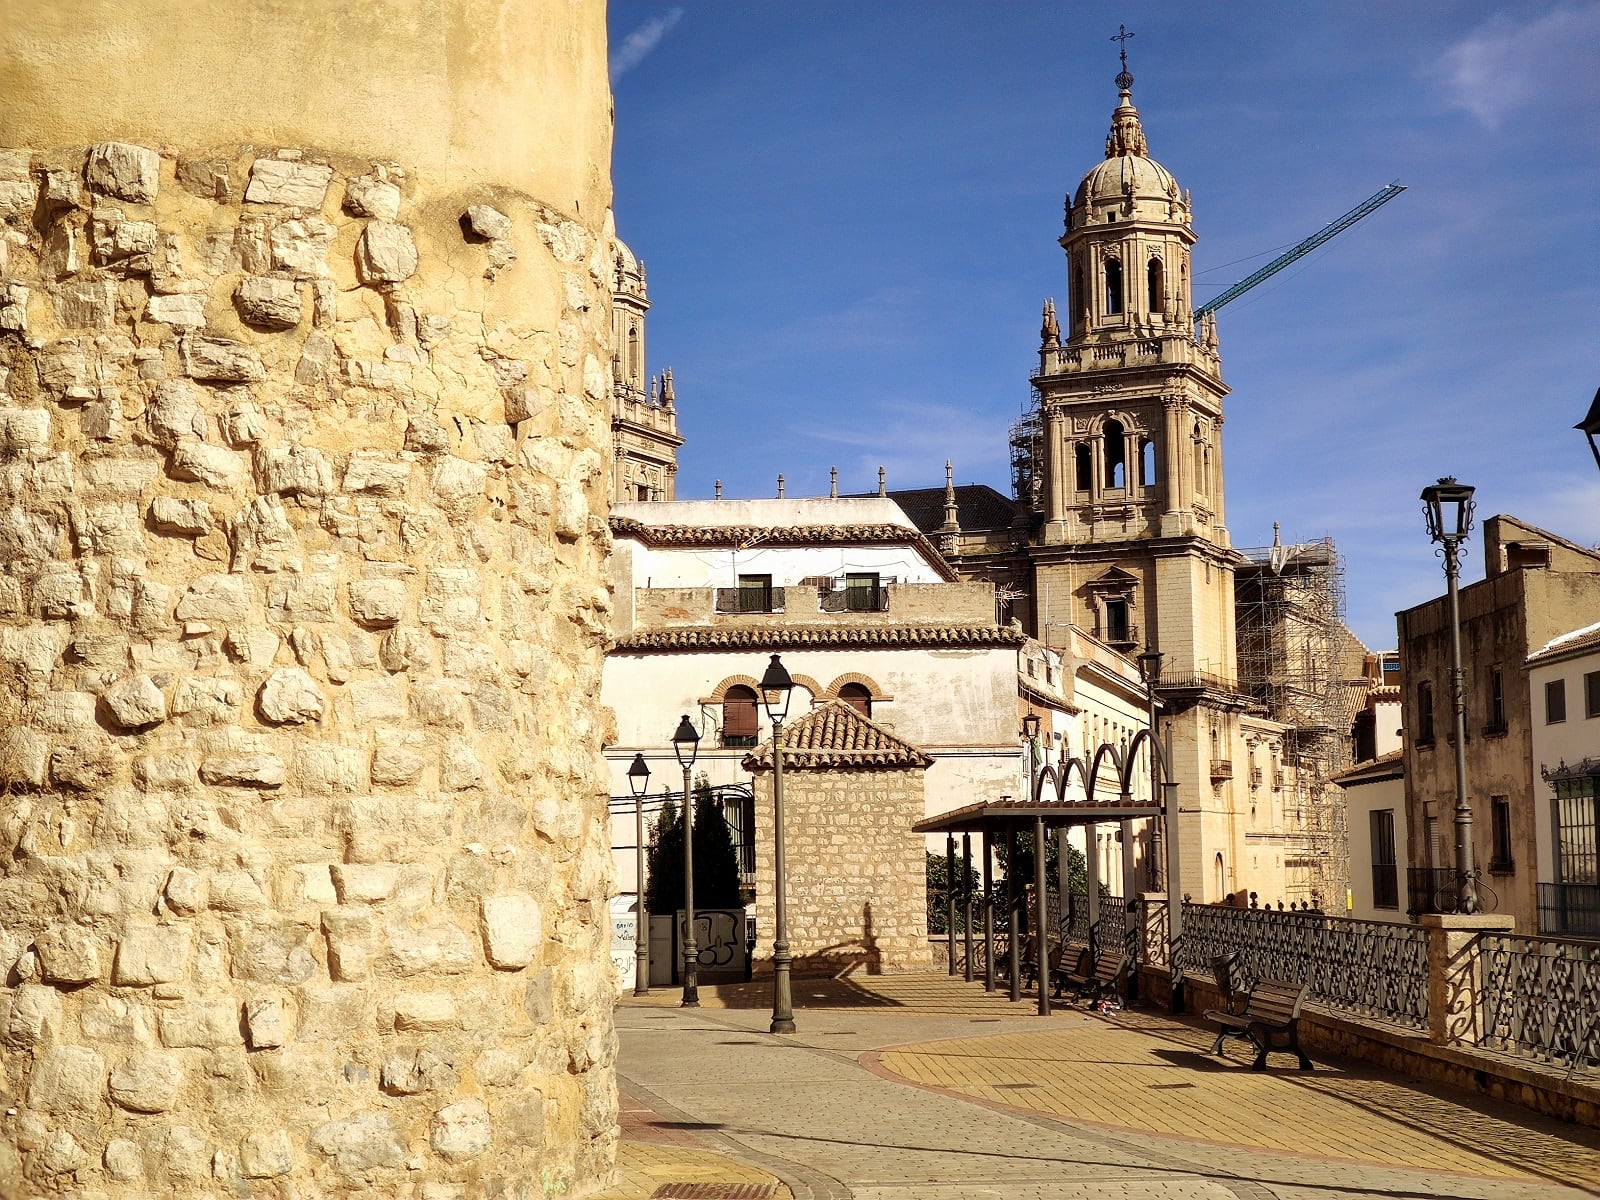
pixel 1504 64
pixel 636 47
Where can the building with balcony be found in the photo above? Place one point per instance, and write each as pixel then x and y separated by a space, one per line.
pixel 1519 673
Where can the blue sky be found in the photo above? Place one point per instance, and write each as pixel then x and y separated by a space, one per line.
pixel 849 216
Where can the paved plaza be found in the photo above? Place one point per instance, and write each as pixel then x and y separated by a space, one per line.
pixel 923 1088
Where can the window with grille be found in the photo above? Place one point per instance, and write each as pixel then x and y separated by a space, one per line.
pixel 1591 694
pixel 1497 702
pixel 1424 713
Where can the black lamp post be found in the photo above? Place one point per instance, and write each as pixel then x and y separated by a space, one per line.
pixel 1448 508
pixel 1591 427
pixel 638 781
pixel 686 745
pixel 776 688
pixel 1150 671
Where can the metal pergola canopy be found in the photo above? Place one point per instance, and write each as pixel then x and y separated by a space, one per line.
pixel 997 815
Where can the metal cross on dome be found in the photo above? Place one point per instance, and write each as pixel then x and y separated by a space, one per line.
pixel 1124 80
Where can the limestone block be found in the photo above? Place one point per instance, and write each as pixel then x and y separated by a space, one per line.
pixel 425 1012
pixel 125 245
pixel 67 1081
pixel 60 1155
pixel 114 1019
pixel 125 171
pixel 236 892
pixel 215 597
pixel 68 955
pixel 135 702
pixel 437 702
pixel 271 952
pixel 185 891
pixel 413 1072
pixel 513 929
pixel 300 248
pixel 150 613
pixel 369 196
pixel 24 431
pixel 396 766
pixel 376 474
pixel 186 517
pixel 165 772
pixel 267 1023
pixel 86 763
pixel 268 302
pixel 109 529
pixel 35 1014
pixel 377 603
pixel 211 465
pixel 17 189
pixel 175 412
pixel 461 1130
pixel 201 1024
pixel 360 1142
pixel 459 767
pixel 147 1082
pixel 331 1012
pixel 458 485
pixel 243 424
pixel 364 883
pixel 208 178
pixel 123 1160
pixel 266 1154
pixel 183 1152
pixel 486 222
pixel 219 360
pixel 406 649
pixel 432 947
pixel 290 697
pixel 24 757
pixel 187 311
pixel 294 470
pixel 208 700
pixel 386 253
pixel 152 954
pixel 14 307
pixel 275 181
pixel 102 422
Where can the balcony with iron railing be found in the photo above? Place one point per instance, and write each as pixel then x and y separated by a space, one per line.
pixel 1570 909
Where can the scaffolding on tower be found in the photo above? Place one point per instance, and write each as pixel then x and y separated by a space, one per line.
pixel 1298 659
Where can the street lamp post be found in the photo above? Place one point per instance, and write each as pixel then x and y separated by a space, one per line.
pixel 638 781
pixel 1591 427
pixel 1448 507
pixel 1041 902
pixel 1150 669
pixel 686 745
pixel 776 687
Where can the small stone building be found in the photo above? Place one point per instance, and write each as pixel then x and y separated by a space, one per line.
pixel 857 875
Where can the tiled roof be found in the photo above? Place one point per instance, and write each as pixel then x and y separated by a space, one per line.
pixel 797 637
pixel 1577 642
pixel 836 735
pixel 775 535
pixel 1385 766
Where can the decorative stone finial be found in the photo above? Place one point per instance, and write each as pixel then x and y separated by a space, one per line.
pixel 719 489
pixel 780 485
pixel 883 482
pixel 1050 330
pixel 668 395
pixel 833 483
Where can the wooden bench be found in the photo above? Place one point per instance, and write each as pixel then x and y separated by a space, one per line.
pixel 1061 974
pixel 1271 1010
pixel 1105 976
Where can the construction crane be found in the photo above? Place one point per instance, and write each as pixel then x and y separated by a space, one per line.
pixel 1370 205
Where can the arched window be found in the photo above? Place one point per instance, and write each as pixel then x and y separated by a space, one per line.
pixel 1147 462
pixel 1199 459
pixel 1155 285
pixel 1113 287
pixel 1079 298
pixel 1116 447
pixel 740 724
pixel 1085 467
pixel 857 697
pixel 634 365
pixel 1222 877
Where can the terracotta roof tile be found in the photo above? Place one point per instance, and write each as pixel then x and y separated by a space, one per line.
pixel 795 637
pixel 836 735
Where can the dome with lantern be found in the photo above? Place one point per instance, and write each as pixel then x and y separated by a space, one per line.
pixel 1128 184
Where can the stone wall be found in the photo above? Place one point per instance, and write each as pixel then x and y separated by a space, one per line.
pixel 302 495
pixel 857 875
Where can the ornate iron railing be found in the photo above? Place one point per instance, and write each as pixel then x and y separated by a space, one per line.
pixel 1370 968
pixel 1571 909
pixel 1157 932
pixel 1540 998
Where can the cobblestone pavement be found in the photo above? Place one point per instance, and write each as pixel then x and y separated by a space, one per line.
pixel 920 1088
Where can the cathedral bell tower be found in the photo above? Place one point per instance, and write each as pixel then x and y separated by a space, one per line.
pixel 1129 538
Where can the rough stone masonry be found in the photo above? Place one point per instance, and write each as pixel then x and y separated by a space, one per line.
pixel 303 865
